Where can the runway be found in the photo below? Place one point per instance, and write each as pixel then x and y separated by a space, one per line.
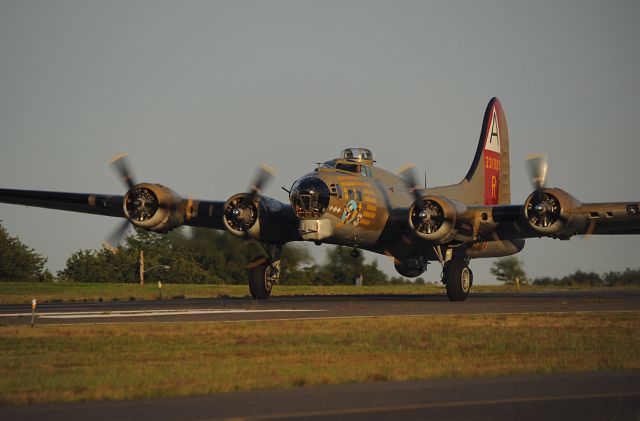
pixel 318 307
pixel 605 395
pixel 566 396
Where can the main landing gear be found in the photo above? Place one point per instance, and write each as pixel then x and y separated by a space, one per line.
pixel 264 272
pixel 458 278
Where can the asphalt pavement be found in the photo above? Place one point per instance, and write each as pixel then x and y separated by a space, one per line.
pixel 565 396
pixel 318 307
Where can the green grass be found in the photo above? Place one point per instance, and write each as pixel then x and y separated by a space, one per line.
pixel 23 292
pixel 88 362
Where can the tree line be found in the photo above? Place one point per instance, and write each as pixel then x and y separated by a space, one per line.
pixel 510 271
pixel 196 256
pixel 214 257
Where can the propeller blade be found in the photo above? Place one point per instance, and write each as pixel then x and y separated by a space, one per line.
pixel 264 175
pixel 590 229
pixel 115 237
pixel 121 165
pixel 408 173
pixel 538 170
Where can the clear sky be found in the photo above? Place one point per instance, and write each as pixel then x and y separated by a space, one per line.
pixel 200 92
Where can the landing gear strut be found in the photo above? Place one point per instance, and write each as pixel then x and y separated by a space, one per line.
pixel 264 272
pixel 458 278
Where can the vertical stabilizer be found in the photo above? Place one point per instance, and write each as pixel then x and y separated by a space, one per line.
pixel 487 182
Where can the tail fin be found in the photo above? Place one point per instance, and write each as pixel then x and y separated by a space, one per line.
pixel 487 182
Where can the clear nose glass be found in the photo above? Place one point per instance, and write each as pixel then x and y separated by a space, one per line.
pixel 309 198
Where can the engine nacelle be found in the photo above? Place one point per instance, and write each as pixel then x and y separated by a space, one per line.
pixel 241 215
pixel 433 218
pixel 552 212
pixel 154 207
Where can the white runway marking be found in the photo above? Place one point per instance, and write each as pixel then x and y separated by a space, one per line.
pixel 145 313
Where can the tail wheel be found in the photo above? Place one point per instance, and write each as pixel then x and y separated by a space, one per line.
pixel 261 278
pixel 458 279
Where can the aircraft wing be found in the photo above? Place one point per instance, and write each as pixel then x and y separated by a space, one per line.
pixel 204 213
pixel 97 204
pixel 157 208
pixel 522 221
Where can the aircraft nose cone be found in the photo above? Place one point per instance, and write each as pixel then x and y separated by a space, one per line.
pixel 309 197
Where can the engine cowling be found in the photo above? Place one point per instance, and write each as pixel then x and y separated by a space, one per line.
pixel 241 215
pixel 433 218
pixel 552 212
pixel 154 207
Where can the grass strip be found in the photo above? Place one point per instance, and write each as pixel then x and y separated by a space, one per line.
pixel 89 362
pixel 23 292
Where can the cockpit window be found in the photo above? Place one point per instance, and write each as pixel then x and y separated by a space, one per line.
pixel 347 167
pixel 328 164
pixel 359 154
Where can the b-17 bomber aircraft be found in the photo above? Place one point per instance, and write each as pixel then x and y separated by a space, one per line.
pixel 349 201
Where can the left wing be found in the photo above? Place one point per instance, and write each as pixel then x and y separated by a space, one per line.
pixel 554 213
pixel 547 212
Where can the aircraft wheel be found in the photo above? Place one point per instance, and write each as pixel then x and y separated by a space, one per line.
pixel 260 278
pixel 458 279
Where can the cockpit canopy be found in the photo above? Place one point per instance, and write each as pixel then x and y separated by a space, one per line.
pixel 357 154
pixel 309 197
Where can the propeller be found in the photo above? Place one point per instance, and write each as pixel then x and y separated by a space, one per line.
pixel 113 240
pixel 262 178
pixel 120 164
pixel 538 170
pixel 149 206
pixel 241 212
pixel 408 173
pixel 544 209
pixel 429 216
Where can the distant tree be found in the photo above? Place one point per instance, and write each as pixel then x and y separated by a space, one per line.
pixel 613 278
pixel 582 278
pixel 545 281
pixel 341 268
pixel 122 266
pixel 18 262
pixel 226 257
pixel 628 277
pixel 298 267
pixel 507 270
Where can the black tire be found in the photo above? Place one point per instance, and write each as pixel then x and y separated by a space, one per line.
pixel 259 285
pixel 458 279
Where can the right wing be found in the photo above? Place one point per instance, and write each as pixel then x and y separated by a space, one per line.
pixel 156 208
pixel 204 213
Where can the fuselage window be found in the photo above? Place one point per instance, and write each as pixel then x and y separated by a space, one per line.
pixel 336 190
pixel 364 171
pixel 347 167
pixel 359 196
pixel 351 196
